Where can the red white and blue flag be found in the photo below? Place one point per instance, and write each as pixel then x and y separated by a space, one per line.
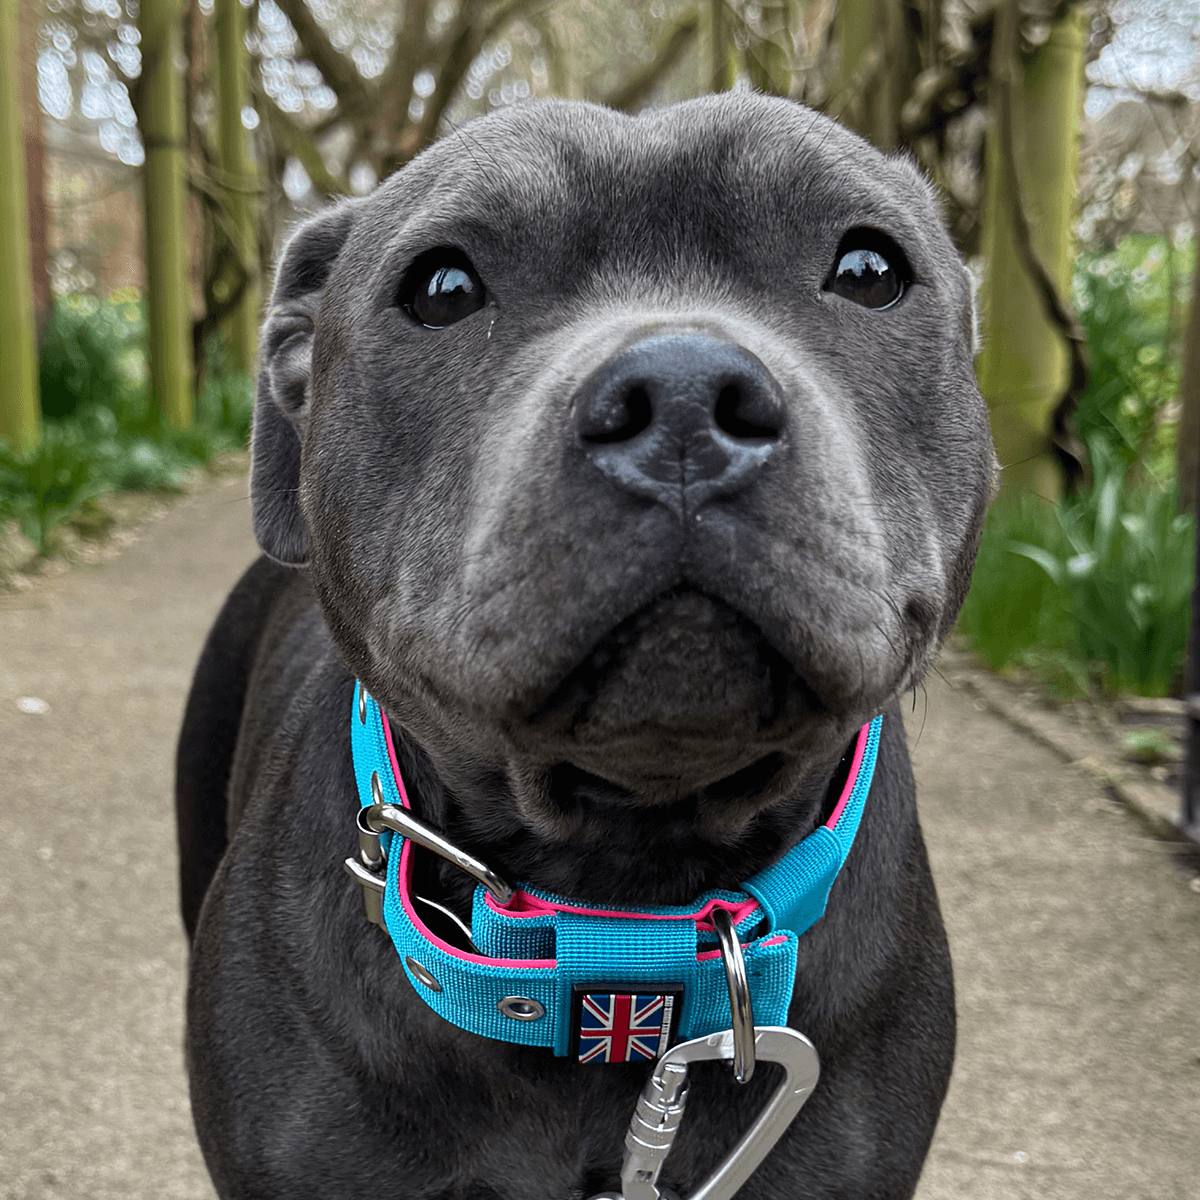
pixel 618 1027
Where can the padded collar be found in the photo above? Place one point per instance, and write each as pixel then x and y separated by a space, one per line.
pixel 602 984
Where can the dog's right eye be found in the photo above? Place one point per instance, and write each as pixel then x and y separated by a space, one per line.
pixel 441 287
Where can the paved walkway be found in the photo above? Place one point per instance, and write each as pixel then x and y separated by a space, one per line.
pixel 1076 938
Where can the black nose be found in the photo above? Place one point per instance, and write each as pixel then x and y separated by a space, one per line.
pixel 680 419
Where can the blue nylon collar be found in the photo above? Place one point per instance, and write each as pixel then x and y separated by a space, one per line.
pixel 564 957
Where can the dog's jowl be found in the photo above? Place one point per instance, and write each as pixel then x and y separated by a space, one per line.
pixel 615 478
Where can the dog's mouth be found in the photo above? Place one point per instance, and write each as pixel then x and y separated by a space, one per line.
pixel 688 692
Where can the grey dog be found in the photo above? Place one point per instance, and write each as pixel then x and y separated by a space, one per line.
pixel 632 464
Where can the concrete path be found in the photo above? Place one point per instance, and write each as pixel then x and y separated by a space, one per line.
pixel 1076 938
pixel 1076 943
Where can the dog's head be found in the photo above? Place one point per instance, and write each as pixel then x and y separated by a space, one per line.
pixel 637 461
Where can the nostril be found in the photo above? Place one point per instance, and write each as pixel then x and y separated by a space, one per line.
pixel 745 413
pixel 620 418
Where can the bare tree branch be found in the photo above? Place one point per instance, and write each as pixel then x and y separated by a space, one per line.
pixel 299 144
pixel 396 88
pixel 848 99
pixel 501 16
pixel 470 33
pixel 336 69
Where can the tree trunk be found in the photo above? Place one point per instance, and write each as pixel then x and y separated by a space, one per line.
pixel 19 415
pixel 722 67
pixel 1026 361
pixel 1187 433
pixel 876 69
pixel 35 164
pixel 164 179
pixel 238 177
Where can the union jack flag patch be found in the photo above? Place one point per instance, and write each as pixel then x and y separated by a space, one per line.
pixel 623 1026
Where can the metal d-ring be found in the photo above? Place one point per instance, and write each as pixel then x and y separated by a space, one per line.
pixel 741 1007
pixel 399 820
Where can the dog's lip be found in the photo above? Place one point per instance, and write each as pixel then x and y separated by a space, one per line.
pixel 552 701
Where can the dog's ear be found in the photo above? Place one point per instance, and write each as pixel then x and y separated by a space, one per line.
pixel 284 378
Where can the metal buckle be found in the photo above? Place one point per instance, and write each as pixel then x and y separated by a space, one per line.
pixel 660 1107
pixel 381 816
pixel 369 869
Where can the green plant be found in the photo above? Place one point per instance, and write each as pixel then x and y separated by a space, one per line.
pixel 1103 581
pixel 42 488
pixel 100 432
pixel 1013 605
pixel 1128 576
pixel 1127 300
pixel 1149 746
pixel 1095 591
pixel 92 354
pixel 225 404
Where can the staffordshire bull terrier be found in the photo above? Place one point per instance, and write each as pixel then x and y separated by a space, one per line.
pixel 615 478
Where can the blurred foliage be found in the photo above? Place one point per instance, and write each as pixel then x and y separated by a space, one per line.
pixel 1149 747
pixel 101 432
pixel 1129 301
pixel 42 488
pixel 1093 594
pixel 1007 610
pixel 92 355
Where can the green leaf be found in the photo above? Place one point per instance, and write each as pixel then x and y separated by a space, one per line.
pixel 1053 566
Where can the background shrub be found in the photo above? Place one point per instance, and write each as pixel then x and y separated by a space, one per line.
pixel 1094 592
pixel 100 432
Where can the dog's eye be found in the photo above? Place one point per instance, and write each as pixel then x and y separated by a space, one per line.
pixel 869 269
pixel 441 287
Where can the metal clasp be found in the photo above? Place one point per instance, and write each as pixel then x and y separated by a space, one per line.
pixel 660 1111
pixel 399 820
pixel 369 869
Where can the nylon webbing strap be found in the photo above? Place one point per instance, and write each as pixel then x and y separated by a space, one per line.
pixel 794 891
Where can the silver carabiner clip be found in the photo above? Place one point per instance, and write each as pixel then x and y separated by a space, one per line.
pixel 660 1111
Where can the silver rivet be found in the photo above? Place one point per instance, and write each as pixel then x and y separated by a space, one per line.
pixel 521 1008
pixel 423 976
pixel 376 788
pixel 362 705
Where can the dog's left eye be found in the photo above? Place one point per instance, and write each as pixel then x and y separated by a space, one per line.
pixel 441 287
pixel 870 269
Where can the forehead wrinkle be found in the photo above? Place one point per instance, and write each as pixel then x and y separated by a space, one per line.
pixel 472 176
